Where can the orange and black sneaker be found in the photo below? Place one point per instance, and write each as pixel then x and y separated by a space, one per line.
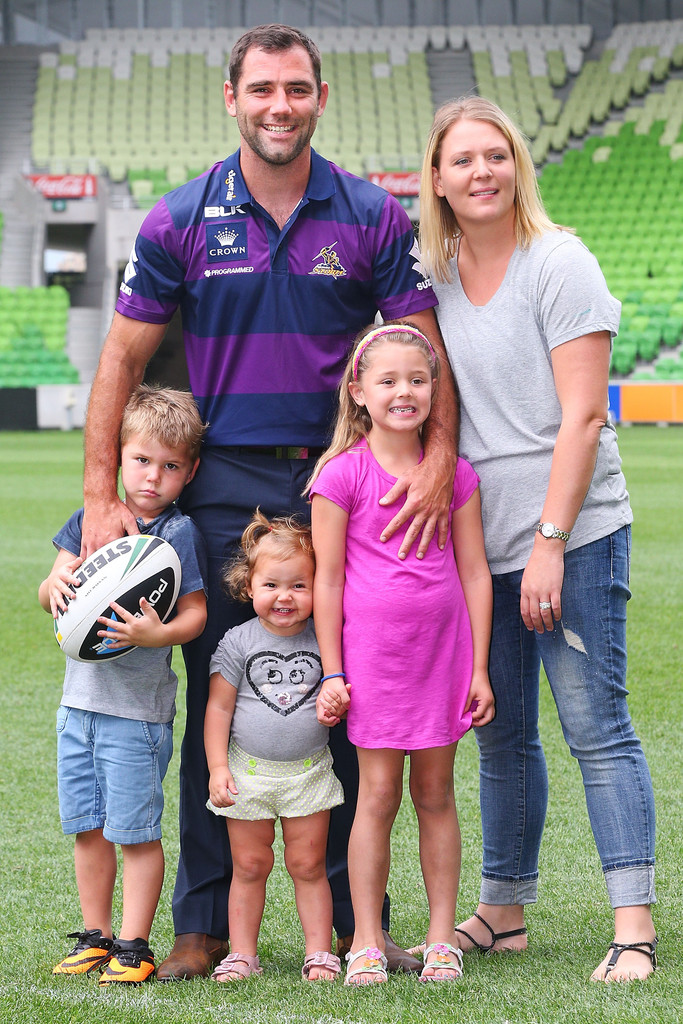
pixel 91 950
pixel 130 961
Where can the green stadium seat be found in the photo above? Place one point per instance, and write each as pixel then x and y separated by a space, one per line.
pixel 141 188
pixel 669 369
pixel 623 360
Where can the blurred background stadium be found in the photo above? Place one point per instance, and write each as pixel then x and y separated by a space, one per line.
pixel 107 104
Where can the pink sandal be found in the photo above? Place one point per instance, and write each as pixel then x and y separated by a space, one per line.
pixel 237 967
pixel 321 959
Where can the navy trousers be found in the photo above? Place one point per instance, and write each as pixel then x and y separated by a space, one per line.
pixel 221 499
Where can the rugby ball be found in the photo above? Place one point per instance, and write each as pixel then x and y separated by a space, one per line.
pixel 123 571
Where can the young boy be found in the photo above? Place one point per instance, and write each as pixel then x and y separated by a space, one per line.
pixel 115 722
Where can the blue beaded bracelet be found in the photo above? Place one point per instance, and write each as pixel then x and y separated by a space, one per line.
pixel 334 675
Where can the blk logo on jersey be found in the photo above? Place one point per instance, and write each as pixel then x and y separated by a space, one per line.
pixel 226 242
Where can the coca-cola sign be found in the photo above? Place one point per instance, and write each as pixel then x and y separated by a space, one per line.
pixel 65 186
pixel 399 183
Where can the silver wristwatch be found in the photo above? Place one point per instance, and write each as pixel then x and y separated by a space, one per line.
pixel 551 532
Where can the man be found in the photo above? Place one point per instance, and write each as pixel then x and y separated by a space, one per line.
pixel 276 258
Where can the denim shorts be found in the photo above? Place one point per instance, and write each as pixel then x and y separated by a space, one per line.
pixel 109 774
pixel 280 789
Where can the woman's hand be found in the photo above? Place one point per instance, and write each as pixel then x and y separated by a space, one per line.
pixel 542 585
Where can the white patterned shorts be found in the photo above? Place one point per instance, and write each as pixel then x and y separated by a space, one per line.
pixel 274 789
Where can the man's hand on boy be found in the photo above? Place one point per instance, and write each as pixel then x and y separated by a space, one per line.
pixel 222 787
pixel 104 521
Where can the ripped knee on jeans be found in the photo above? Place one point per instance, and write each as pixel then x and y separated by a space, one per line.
pixel 573 640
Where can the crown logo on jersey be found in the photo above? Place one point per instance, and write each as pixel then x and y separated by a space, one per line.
pixel 226 236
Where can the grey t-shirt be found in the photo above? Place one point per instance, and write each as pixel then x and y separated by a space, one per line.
pixel 277 680
pixel 141 685
pixel 552 292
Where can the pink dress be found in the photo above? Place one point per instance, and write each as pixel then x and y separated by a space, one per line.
pixel 407 641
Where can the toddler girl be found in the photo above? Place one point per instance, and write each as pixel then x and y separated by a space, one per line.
pixel 404 644
pixel 266 751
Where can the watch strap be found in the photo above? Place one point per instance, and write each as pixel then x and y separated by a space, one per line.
pixel 555 535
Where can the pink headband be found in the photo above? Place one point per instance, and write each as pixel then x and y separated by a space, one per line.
pixel 380 332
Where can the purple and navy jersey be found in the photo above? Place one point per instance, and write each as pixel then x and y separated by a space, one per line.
pixel 269 315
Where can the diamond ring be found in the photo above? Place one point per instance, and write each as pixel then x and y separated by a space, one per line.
pixel 544 605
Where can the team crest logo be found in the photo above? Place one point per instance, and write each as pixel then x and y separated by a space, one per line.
pixel 330 265
pixel 226 242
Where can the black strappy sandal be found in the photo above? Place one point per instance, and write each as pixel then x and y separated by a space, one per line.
pixel 494 935
pixel 620 947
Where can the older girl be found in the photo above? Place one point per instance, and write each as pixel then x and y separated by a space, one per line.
pixel 404 643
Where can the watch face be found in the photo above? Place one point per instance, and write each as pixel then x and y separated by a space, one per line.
pixel 547 529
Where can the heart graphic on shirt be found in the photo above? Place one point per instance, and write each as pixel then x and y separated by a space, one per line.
pixel 284 682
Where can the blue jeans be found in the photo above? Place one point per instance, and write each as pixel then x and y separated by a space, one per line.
pixel 585 660
pixel 109 774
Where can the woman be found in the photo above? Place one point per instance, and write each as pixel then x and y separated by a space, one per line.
pixel 528 322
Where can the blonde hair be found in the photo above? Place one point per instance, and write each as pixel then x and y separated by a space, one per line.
pixel 282 537
pixel 439 228
pixel 164 415
pixel 353 421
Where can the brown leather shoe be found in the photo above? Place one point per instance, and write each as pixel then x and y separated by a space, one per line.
pixel 344 946
pixel 194 955
pixel 397 958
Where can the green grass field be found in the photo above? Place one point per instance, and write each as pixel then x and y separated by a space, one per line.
pixel 569 929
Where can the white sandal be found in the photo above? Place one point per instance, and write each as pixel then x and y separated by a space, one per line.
pixel 442 961
pixel 374 962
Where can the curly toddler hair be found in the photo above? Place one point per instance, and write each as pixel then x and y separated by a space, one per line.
pixel 282 537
